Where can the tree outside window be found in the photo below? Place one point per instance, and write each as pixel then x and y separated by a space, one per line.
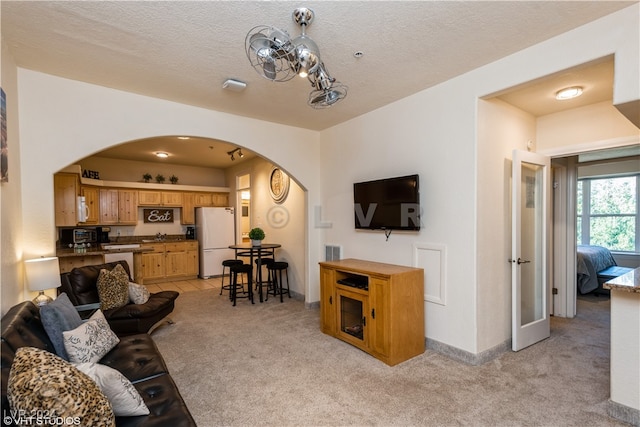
pixel 607 213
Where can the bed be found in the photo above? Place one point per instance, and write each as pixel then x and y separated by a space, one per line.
pixel 595 265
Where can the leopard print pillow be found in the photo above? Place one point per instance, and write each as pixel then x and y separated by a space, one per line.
pixel 113 288
pixel 43 383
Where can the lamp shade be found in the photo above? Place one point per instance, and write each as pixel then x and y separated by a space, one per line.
pixel 42 273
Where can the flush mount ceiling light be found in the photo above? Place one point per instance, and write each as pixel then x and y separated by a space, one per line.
pixel 235 151
pixel 277 57
pixel 568 93
pixel 162 154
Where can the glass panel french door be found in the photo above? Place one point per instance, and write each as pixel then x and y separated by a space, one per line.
pixel 529 253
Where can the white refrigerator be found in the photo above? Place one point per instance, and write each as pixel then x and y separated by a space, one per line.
pixel 215 231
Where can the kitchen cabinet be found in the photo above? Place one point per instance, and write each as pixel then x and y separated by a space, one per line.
pixel 220 199
pixel 188 214
pixel 118 206
pixel 193 200
pixel 376 307
pixel 169 261
pixel 65 191
pixel 160 198
pixel 92 200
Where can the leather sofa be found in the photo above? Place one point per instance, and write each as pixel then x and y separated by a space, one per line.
pixel 135 356
pixel 80 285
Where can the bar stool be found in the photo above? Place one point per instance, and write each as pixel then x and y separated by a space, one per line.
pixel 276 268
pixel 263 262
pixel 228 263
pixel 237 270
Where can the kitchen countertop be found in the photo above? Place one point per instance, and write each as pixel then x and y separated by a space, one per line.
pixel 141 240
pixel 629 282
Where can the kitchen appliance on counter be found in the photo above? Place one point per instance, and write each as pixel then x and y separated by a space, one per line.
pixel 191 233
pixel 103 234
pixel 215 229
pixel 76 236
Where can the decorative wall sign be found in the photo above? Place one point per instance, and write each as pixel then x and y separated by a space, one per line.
pixel 90 174
pixel 4 157
pixel 278 185
pixel 158 215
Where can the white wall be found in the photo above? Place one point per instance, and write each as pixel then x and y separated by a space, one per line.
pixel 435 133
pixel 283 223
pixel 572 128
pixel 11 271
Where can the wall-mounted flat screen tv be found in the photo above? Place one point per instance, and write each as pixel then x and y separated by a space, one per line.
pixel 387 204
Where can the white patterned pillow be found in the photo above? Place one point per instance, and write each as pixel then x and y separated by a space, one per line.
pixel 43 383
pixel 123 396
pixel 138 294
pixel 90 341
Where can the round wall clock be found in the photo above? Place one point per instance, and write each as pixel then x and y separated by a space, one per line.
pixel 278 185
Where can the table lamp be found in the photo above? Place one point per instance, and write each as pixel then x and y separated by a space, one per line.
pixel 42 274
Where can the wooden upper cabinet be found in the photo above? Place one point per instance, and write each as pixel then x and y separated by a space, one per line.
pixel 92 199
pixel 172 198
pixel 149 198
pixel 159 198
pixel 65 190
pixel 108 206
pixel 203 199
pixel 220 199
pixel 188 215
pixel 118 206
pixel 127 207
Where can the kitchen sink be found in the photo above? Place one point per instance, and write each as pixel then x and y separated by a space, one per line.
pixel 122 246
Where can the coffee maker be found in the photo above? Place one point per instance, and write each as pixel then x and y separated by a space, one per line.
pixel 191 233
pixel 102 234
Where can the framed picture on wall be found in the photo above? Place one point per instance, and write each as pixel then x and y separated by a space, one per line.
pixel 278 185
pixel 4 158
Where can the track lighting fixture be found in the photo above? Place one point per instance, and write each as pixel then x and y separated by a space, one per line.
pixel 235 151
pixel 277 57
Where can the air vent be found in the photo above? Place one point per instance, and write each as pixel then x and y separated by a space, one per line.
pixel 332 252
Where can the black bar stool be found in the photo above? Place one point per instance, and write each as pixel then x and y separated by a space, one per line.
pixel 275 272
pixel 228 263
pixel 237 270
pixel 263 262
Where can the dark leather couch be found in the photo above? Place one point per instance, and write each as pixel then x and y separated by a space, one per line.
pixel 80 285
pixel 136 357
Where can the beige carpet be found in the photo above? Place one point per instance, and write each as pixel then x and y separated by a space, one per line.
pixel 269 364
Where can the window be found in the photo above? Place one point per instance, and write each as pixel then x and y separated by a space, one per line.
pixel 608 213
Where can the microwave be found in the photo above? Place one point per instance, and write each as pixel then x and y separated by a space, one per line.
pixel 70 236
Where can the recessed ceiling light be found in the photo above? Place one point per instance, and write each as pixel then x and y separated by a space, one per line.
pixel 162 154
pixel 568 93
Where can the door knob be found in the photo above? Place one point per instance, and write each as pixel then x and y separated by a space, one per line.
pixel 523 261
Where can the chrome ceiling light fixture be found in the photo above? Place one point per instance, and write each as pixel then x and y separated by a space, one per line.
pixel 277 57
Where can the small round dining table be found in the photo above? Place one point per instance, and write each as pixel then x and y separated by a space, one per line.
pixel 247 249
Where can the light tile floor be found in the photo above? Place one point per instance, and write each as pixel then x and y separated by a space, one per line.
pixel 187 285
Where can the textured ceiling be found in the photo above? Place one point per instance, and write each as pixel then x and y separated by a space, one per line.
pixel 183 51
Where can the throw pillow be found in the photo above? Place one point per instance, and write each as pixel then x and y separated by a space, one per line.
pixel 90 341
pixel 113 288
pixel 138 294
pixel 123 396
pixel 43 383
pixel 57 317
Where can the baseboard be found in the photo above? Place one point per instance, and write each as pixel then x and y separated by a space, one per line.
pixel 466 357
pixel 312 305
pixel 623 413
